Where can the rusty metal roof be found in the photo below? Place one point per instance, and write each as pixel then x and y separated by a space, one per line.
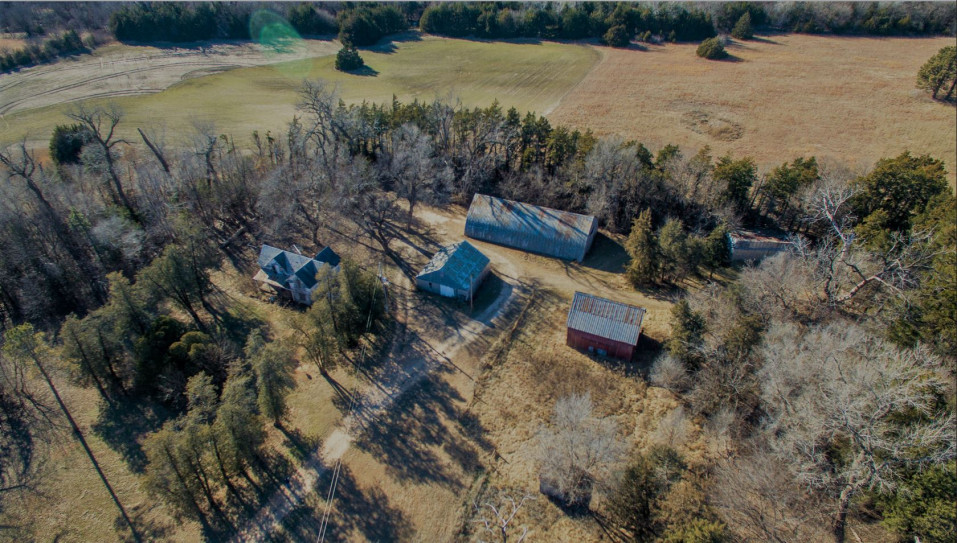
pixel 532 228
pixel 605 318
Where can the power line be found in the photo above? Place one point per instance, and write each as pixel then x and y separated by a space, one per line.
pixel 334 482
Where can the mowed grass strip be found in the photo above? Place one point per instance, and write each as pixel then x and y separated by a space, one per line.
pixel 528 76
pixel 847 99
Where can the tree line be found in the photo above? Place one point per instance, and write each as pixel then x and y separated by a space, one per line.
pixel 358 24
pixel 50 49
pixel 617 24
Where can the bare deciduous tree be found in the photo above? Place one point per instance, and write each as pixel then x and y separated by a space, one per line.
pixel 672 430
pixel 847 410
pixel 101 123
pixel 843 267
pixel 669 372
pixel 408 166
pixel 503 510
pixel 577 450
pixel 758 500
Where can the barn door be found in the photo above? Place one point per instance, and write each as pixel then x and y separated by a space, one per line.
pixel 448 292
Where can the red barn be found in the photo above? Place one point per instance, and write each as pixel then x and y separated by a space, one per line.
pixel 604 327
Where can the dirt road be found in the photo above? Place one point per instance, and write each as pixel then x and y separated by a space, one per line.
pixel 403 369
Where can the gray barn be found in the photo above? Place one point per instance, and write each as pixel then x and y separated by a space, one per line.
pixel 531 228
pixel 746 245
pixel 456 271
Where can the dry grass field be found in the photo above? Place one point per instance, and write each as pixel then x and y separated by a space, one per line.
pixel 851 100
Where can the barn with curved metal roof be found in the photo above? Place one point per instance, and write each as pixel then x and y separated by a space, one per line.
pixel 532 228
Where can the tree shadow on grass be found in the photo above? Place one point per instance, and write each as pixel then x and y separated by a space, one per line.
pixel 297 443
pixel 124 423
pixel 148 529
pixel 607 255
pixel 646 352
pixel 406 435
pixel 363 510
pixel 236 324
pixel 364 71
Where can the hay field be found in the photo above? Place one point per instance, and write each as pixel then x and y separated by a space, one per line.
pixel 528 76
pixel 780 97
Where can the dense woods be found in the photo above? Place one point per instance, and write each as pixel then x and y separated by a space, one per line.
pixel 618 24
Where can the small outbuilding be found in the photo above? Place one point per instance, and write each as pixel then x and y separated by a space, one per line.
pixel 748 245
pixel 456 271
pixel 293 275
pixel 536 229
pixel 604 327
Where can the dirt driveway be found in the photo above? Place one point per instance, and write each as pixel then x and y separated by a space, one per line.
pixel 405 458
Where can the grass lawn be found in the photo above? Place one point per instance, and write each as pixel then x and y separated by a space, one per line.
pixel 528 76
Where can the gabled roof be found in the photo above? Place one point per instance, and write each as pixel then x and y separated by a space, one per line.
pixel 328 256
pixel 280 266
pixel 456 265
pixel 605 318
pixel 534 228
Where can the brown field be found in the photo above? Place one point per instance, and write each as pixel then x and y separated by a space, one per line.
pixel 851 100
pixel 11 44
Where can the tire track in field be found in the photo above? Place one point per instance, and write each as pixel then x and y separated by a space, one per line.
pixel 9 106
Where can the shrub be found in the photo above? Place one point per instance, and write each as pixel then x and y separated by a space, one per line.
pixel 67 142
pixel 348 59
pixel 618 36
pixel 712 49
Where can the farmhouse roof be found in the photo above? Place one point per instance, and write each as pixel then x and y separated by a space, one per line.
pixel 455 265
pixel 605 318
pixel 280 266
pixel 328 256
pixel 530 227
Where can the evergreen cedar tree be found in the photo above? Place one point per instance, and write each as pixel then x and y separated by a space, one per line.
pixel 67 142
pixel 742 29
pixel 939 73
pixel 348 59
pixel 52 48
pixel 712 49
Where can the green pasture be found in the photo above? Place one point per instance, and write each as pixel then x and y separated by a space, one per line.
pixel 528 76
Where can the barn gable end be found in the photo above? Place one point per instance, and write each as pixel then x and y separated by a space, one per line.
pixel 604 326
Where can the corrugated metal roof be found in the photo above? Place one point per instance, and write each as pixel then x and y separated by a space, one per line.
pixel 529 227
pixel 455 265
pixel 605 318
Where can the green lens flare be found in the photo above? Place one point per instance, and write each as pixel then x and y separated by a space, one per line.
pixel 280 42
